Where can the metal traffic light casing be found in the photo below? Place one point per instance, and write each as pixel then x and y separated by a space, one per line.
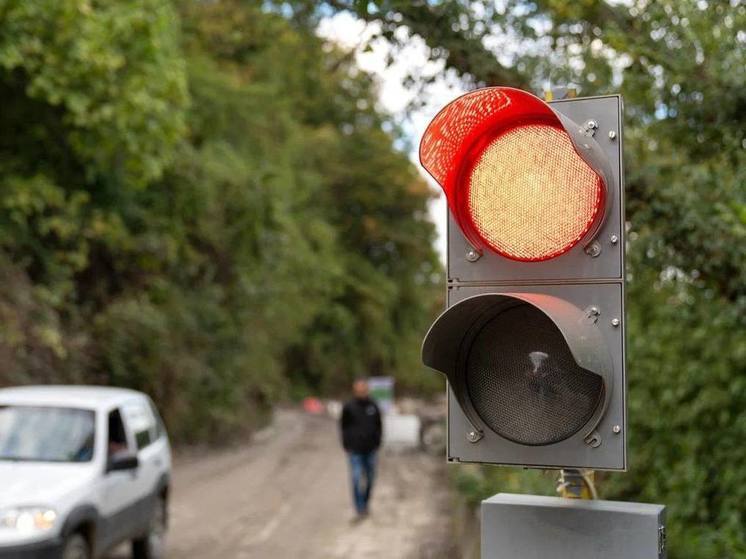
pixel 532 340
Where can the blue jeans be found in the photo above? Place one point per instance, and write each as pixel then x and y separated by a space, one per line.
pixel 363 468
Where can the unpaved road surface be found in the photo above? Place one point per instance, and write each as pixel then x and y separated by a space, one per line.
pixel 287 496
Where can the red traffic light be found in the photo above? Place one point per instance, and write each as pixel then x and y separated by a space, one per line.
pixel 519 178
pixel 532 343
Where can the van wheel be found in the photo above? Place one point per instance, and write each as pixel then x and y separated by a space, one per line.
pixel 153 545
pixel 76 548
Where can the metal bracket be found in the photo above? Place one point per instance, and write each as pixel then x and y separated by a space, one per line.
pixel 593 249
pixel 576 484
pixel 559 92
pixel 661 541
pixel 593 440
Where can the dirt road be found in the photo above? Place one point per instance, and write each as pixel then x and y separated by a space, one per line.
pixel 286 496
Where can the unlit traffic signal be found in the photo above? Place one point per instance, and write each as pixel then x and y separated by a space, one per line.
pixel 532 340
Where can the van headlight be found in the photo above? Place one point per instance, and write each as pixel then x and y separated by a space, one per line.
pixel 28 520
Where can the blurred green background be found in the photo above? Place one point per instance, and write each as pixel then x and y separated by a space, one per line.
pixel 204 201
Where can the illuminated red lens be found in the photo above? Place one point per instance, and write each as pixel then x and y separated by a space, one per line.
pixel 514 180
pixel 530 195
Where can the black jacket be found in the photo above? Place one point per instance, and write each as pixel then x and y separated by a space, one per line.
pixel 361 426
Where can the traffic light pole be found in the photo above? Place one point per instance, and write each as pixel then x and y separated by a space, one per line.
pixel 577 484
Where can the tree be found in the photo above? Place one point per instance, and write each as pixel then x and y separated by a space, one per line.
pixel 94 107
pixel 200 201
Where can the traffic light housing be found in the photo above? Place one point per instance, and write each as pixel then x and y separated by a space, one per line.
pixel 532 339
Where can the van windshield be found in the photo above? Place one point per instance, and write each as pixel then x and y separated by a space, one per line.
pixel 46 434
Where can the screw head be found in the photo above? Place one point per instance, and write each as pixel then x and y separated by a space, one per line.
pixel 589 128
pixel 612 135
pixel 472 255
pixel 616 429
pixel 615 322
pixel 614 239
pixel 593 249
pixel 472 436
pixel 592 314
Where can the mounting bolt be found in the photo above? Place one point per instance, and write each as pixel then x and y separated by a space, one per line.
pixel 593 249
pixel 473 436
pixel 616 429
pixel 472 255
pixel 615 322
pixel 612 135
pixel 590 127
pixel 592 313
pixel 614 239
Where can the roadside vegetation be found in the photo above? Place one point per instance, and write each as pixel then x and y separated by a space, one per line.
pixel 200 200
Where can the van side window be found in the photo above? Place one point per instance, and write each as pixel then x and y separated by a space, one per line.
pixel 117 437
pixel 141 421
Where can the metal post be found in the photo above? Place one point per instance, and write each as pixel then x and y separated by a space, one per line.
pixel 577 484
pixel 560 92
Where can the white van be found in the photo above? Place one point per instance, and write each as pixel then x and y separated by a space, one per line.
pixel 82 469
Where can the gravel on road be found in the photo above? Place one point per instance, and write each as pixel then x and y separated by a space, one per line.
pixel 286 495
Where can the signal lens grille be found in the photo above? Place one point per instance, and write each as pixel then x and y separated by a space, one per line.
pixel 523 381
pixel 531 196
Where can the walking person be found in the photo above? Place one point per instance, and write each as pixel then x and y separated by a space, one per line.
pixel 361 436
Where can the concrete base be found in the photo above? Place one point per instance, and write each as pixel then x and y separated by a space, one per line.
pixel 532 527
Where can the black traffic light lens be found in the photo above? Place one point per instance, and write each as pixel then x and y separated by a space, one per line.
pixel 523 381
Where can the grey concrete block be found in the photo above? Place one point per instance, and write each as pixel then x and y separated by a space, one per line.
pixel 533 527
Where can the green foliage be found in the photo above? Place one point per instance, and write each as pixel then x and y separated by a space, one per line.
pixel 111 68
pixel 199 201
pixel 681 66
pixel 475 483
pixel 94 103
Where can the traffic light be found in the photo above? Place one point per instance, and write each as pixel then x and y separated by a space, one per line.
pixel 532 339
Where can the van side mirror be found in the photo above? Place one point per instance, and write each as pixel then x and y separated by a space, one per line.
pixel 122 461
